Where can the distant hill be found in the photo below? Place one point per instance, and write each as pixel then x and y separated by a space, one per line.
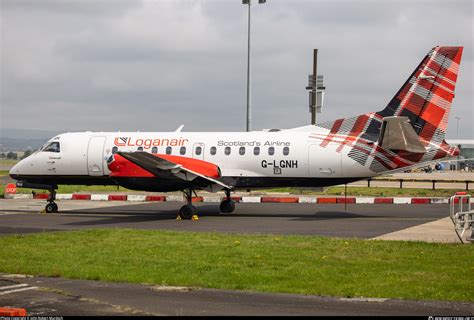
pixel 24 139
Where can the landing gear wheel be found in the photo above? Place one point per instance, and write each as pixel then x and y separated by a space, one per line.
pixel 227 206
pixel 51 207
pixel 187 212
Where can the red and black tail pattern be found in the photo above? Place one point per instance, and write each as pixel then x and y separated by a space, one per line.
pixel 425 98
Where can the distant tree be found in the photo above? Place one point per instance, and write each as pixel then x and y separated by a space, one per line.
pixel 3 155
pixel 12 155
pixel 27 153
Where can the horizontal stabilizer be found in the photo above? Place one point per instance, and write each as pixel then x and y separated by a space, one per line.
pixel 398 134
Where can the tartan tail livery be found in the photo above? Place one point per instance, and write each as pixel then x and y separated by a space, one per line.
pixel 411 129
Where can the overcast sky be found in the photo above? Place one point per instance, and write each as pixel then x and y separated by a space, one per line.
pixel 153 65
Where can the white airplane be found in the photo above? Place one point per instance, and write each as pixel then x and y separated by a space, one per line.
pixel 408 132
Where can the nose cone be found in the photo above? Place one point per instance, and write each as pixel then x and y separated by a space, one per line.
pixel 16 170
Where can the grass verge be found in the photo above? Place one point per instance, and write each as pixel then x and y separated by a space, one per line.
pixel 292 264
pixel 371 192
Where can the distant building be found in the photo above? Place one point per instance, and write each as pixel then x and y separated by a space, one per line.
pixel 466 156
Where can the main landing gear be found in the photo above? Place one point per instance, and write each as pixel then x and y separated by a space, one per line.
pixel 51 206
pixel 227 205
pixel 188 211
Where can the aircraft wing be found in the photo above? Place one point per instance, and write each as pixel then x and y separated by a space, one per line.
pixel 168 166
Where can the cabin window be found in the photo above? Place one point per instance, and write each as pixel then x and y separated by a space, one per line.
pixel 198 151
pixel 227 151
pixel 182 150
pixel 256 151
pixel 140 148
pixel 114 150
pixel 242 151
pixel 286 151
pixel 271 151
pixel 213 150
pixel 169 150
pixel 52 147
pixel 154 150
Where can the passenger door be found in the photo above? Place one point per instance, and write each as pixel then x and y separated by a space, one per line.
pixel 95 156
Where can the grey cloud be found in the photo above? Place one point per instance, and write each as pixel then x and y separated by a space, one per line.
pixel 153 65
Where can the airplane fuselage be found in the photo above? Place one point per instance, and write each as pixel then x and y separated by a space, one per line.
pixel 246 160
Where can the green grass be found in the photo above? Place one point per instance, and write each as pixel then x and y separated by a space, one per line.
pixel 3 173
pixel 371 192
pixel 292 264
pixel 8 162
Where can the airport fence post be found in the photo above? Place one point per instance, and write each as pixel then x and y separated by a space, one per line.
pixel 467 185
pixel 401 183
pixel 434 183
pixel 368 183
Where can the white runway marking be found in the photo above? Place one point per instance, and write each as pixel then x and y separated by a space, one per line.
pixel 15 288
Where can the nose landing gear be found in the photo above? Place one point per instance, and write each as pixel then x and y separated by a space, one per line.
pixel 188 211
pixel 51 207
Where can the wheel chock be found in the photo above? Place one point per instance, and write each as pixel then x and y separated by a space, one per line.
pixel 43 211
pixel 195 217
pixel 178 217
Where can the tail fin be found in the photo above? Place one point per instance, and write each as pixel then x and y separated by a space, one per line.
pixel 420 109
pixel 426 96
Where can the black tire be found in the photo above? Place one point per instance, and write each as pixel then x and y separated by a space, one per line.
pixel 187 212
pixel 51 207
pixel 227 206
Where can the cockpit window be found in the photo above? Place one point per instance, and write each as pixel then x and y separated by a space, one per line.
pixel 52 147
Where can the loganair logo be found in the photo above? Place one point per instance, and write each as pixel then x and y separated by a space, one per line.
pixel 121 142
pixel 148 143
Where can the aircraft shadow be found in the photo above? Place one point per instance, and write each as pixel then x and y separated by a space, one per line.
pixel 138 216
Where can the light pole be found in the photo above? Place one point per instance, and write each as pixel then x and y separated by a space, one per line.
pixel 457 127
pixel 249 98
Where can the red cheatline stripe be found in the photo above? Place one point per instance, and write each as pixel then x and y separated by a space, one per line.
pixel 236 199
pixel 280 199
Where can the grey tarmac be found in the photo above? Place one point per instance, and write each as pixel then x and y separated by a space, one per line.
pixel 333 220
pixel 57 296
